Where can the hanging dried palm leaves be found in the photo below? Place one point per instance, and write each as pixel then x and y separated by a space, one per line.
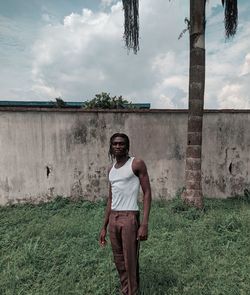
pixel 131 24
pixel 231 17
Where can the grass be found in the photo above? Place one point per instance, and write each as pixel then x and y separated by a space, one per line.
pixel 52 249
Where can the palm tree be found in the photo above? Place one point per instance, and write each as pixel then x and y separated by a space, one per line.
pixel 193 189
pixel 196 25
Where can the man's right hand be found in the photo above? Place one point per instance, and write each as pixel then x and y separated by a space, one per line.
pixel 102 238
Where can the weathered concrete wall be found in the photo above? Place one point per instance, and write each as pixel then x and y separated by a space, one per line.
pixel 46 153
pixel 226 153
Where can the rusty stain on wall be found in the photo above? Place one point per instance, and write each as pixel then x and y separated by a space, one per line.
pixel 4 185
pixel 76 135
pixel 76 188
pixel 48 171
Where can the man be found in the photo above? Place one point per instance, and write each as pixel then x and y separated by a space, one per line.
pixel 122 212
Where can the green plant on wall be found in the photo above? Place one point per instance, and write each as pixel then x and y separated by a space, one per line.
pixel 105 101
pixel 59 103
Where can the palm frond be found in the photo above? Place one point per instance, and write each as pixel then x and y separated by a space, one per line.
pixel 131 24
pixel 231 17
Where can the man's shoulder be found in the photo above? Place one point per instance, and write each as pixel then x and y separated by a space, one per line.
pixel 109 168
pixel 138 161
pixel 138 164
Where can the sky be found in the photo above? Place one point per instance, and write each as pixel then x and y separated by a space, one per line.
pixel 74 49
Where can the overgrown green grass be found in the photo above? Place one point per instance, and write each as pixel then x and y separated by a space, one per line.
pixel 53 249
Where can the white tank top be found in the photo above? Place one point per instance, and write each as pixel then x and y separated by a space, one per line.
pixel 125 187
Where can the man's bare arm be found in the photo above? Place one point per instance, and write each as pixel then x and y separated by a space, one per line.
pixel 140 170
pixel 108 209
pixel 102 237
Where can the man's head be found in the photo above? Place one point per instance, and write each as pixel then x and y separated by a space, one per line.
pixel 119 145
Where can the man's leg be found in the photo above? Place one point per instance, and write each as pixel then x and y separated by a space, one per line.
pixel 115 229
pixel 130 251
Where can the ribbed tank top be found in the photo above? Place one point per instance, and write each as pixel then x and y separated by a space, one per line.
pixel 125 187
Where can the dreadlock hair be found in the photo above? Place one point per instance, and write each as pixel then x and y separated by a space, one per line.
pixel 131 24
pixel 231 17
pixel 126 139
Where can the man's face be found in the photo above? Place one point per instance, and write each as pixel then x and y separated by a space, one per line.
pixel 119 146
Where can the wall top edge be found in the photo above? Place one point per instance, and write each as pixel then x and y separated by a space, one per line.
pixel 77 110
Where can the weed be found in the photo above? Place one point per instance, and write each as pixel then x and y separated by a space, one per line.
pixel 53 249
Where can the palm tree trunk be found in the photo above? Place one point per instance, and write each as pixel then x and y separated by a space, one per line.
pixel 193 187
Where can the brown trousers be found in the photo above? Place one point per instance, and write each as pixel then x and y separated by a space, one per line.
pixel 123 227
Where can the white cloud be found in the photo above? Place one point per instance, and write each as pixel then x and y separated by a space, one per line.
pixel 165 63
pixel 235 95
pixel 226 63
pixel 164 102
pixel 85 54
pixel 69 52
pixel 44 90
pixel 46 17
pixel 246 65
pixel 107 3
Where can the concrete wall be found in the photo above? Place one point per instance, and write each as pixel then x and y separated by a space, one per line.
pixel 46 153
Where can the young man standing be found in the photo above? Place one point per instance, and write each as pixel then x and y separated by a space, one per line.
pixel 122 212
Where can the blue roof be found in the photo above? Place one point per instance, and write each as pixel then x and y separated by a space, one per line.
pixel 54 104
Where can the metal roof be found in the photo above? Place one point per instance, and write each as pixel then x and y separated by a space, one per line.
pixel 54 104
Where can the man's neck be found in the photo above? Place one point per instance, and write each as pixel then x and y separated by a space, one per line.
pixel 122 159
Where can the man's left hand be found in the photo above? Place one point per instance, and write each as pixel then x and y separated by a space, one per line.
pixel 142 234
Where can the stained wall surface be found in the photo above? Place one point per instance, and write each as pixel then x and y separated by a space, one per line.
pixel 50 153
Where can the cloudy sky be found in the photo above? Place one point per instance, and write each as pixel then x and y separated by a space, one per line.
pixel 74 49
